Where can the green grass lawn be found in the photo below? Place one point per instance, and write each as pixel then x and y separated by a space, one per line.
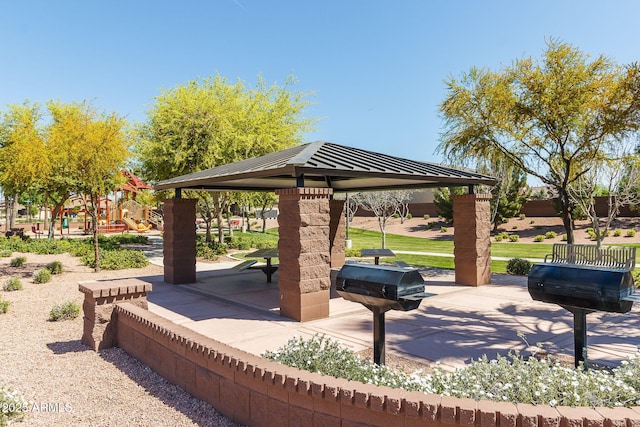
pixel 366 239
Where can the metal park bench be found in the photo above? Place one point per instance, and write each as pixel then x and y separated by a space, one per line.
pixel 618 257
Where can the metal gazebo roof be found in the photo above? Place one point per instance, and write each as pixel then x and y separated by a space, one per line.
pixel 325 165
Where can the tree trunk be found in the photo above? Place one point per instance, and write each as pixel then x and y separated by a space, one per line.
pixel 220 227
pixel 14 211
pixel 95 213
pixel 566 216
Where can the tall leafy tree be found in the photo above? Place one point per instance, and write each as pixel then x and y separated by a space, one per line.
pixel 22 164
pixel 443 199
pixel 97 146
pixel 206 123
pixel 549 117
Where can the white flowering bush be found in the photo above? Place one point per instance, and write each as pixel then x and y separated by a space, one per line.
pixel 508 379
pixel 12 406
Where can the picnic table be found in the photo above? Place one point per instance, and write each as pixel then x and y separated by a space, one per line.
pixel 376 254
pixel 267 254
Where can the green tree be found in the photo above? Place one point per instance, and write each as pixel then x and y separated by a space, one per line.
pixel 444 201
pixel 549 117
pixel 22 164
pixel 98 145
pixel 207 123
pixel 509 194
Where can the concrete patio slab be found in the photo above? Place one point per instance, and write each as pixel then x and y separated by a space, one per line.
pixel 458 324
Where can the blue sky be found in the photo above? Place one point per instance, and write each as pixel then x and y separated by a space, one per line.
pixel 377 67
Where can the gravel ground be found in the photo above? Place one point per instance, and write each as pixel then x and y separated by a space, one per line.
pixel 65 382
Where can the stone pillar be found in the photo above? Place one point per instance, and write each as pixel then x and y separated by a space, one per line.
pixel 471 240
pixel 179 247
pixel 303 249
pixel 100 299
pixel 337 232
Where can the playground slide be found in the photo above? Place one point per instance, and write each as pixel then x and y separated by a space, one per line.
pixel 133 226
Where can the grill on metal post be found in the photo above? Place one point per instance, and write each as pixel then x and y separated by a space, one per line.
pixel 380 289
pixel 595 284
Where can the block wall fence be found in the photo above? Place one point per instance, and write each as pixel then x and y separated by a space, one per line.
pixel 257 392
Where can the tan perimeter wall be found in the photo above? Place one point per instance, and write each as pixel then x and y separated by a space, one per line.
pixel 257 392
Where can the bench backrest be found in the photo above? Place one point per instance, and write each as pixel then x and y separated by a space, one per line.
pixel 621 257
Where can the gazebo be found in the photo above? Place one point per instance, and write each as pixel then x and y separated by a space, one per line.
pixel 312 224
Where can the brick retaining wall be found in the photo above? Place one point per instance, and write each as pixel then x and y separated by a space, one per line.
pixel 257 392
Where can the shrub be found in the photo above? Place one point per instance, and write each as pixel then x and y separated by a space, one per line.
pixel 18 261
pixel 518 267
pixel 631 233
pixel 539 238
pixel 617 232
pixel 532 221
pixel 55 267
pixel 515 227
pixel 5 253
pixel 514 237
pixel 409 216
pixel 443 229
pixel 547 381
pixel 564 238
pixel 350 253
pixel 589 230
pixel 592 235
pixel 550 235
pixel 12 284
pixel 41 276
pixel 12 405
pixel 117 259
pixel 4 306
pixel 396 215
pixel 426 216
pixel 498 237
pixel 65 311
pixel 522 216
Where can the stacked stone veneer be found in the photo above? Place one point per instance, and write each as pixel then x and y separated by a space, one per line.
pixel 304 252
pixel 472 239
pixel 100 299
pixel 257 392
pixel 179 247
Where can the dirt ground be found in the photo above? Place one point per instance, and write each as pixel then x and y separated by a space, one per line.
pixel 526 228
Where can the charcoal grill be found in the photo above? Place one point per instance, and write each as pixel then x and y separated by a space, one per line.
pixel 380 289
pixel 582 289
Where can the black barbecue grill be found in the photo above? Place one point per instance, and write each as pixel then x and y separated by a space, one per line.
pixel 380 289
pixel 582 288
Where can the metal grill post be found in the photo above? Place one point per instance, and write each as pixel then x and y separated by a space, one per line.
pixel 579 336
pixel 378 334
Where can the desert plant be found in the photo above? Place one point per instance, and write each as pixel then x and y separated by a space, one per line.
pixel 631 233
pixel 592 235
pixel 550 235
pixel 426 216
pixel 499 237
pixel 18 261
pixel 617 232
pixel 41 276
pixel 515 227
pixel 522 216
pixel 443 229
pixel 65 311
pixel 13 406
pixel 518 267
pixel 5 253
pixel 4 306
pixel 514 237
pixel 539 238
pixel 532 221
pixel 12 284
pixel 55 267
pixel 564 238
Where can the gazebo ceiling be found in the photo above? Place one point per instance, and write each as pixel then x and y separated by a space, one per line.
pixel 324 165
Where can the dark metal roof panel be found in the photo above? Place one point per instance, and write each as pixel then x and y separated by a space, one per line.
pixel 327 160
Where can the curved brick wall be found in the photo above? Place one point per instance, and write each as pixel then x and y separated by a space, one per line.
pixel 258 392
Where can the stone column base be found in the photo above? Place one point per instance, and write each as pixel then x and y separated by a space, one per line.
pixel 305 307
